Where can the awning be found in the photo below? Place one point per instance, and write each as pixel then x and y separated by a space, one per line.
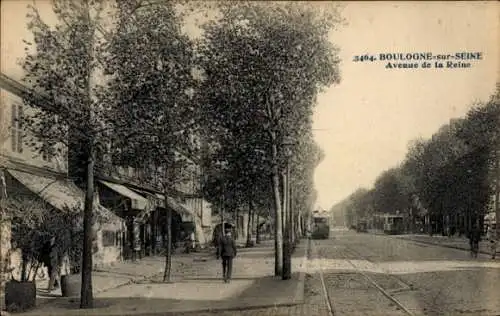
pixel 60 193
pixel 177 207
pixel 153 202
pixel 138 202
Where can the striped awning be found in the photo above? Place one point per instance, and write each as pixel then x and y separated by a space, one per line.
pixel 138 202
pixel 61 193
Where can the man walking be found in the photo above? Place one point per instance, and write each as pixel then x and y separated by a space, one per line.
pixel 50 258
pixel 474 239
pixel 227 251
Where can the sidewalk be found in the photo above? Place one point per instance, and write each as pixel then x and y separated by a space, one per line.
pixel 197 286
pixel 126 272
pixel 461 243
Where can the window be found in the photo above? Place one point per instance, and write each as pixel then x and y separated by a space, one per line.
pixel 320 220
pixel 17 128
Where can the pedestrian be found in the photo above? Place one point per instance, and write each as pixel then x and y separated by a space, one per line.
pixel 491 236
pixel 50 259
pixel 193 240
pixel 227 251
pixel 474 239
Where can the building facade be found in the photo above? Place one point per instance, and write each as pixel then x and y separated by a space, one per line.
pixel 42 176
pixel 136 195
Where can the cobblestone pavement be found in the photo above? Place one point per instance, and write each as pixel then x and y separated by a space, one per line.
pixel 372 275
pixel 424 279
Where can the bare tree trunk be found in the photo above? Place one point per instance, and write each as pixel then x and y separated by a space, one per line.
pixel 257 230
pixel 254 223
pixel 299 225
pixel 278 229
pixel 286 214
pixel 87 299
pixel 249 223
pixel 291 210
pixel 237 220
pixel 168 253
pixel 86 294
pixel 222 212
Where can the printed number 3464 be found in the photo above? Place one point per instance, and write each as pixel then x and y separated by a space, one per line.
pixel 363 58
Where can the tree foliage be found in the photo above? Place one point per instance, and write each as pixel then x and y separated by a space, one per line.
pixel 61 69
pixel 263 67
pixel 448 177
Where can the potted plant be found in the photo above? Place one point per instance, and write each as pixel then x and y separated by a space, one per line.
pixel 25 216
pixel 72 253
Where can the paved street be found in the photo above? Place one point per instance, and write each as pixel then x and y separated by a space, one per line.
pixel 363 274
pixel 368 274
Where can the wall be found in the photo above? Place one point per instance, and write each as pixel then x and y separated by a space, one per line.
pixel 109 253
pixel 4 250
pixel 28 156
pixel 206 214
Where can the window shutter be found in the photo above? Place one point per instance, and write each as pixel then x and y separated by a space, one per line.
pixel 13 128
pixel 20 128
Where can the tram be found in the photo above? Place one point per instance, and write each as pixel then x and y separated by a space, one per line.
pixel 393 224
pixel 320 225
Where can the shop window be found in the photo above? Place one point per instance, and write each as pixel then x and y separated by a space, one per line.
pixel 108 238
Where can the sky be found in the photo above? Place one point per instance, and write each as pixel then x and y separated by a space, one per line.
pixel 365 123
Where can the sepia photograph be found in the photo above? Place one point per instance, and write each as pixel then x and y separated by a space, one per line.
pixel 252 158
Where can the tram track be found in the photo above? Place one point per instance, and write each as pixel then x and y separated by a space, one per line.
pixel 326 295
pixel 376 285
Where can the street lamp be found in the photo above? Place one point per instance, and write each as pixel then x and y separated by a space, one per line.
pixel 287 244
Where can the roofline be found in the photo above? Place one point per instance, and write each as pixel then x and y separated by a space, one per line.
pixel 22 90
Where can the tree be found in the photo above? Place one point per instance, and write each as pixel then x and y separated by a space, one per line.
pixel 307 157
pixel 263 67
pixel 388 194
pixel 151 96
pixel 481 134
pixel 61 69
pixel 450 173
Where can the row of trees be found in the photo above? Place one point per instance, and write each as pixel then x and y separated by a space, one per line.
pixel 124 80
pixel 450 177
